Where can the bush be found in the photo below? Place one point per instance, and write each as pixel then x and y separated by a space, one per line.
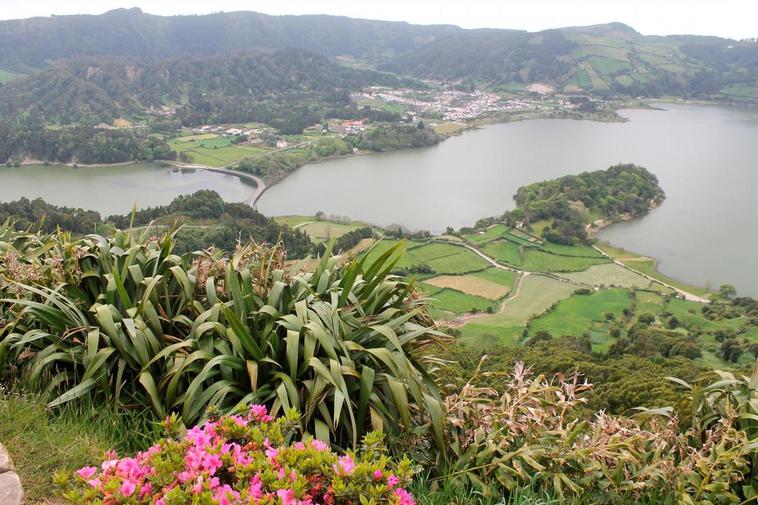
pixel 125 322
pixel 243 459
pixel 533 436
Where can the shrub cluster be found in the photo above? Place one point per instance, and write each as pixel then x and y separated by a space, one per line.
pixel 246 458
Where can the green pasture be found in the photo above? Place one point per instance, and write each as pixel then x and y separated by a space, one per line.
pixel 577 314
pixel 505 251
pixel 608 274
pixel 541 261
pixel 498 275
pixel 536 294
pixel 454 301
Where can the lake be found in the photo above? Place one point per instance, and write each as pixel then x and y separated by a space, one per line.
pixel 115 190
pixel 705 157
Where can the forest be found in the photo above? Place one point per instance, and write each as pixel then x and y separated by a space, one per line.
pixel 78 144
pixel 286 88
pixel 209 222
pixel 573 202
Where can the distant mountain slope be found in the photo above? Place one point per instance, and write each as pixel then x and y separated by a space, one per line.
pixel 276 87
pixel 604 59
pixel 611 58
pixel 32 43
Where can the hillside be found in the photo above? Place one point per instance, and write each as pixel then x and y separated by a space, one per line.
pixel 610 58
pixel 603 59
pixel 274 87
pixel 29 44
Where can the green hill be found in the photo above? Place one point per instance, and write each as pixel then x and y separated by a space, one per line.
pixel 277 87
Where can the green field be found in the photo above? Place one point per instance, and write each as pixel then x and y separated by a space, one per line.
pixel 578 314
pixel 608 274
pixel 488 235
pixel 498 275
pixel 536 294
pixel 505 251
pixel 214 150
pixel 540 261
pixel 572 250
pixel 442 258
pixel 454 301
pixel 323 231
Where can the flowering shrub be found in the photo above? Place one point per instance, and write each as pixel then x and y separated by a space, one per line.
pixel 243 459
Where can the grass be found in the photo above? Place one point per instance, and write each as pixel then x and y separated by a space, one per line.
pixel 648 266
pixel 576 315
pixel 608 274
pixel 541 261
pixel 448 259
pixel 42 443
pixel 323 231
pixel 454 301
pixel 214 150
pixel 442 258
pixel 471 285
pixel 449 128
pixel 536 294
pixel 498 275
pixel 505 251
pixel 488 235
pixel 571 250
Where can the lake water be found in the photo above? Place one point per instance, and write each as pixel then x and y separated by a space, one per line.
pixel 706 158
pixel 115 190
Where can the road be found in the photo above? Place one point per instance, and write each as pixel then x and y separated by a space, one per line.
pixel 250 200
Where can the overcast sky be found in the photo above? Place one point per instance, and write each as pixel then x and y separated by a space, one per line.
pixel 726 18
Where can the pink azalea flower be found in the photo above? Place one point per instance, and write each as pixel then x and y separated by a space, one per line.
pixel 346 465
pixel 318 445
pixel 272 454
pixel 287 496
pixel 392 481
pixel 256 488
pixel 87 472
pixel 259 413
pixel 404 497
pixel 378 474
pixel 146 490
pixel 127 488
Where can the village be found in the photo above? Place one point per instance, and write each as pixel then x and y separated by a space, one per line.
pixel 457 105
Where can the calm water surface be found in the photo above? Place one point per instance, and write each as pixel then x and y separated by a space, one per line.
pixel 706 158
pixel 114 190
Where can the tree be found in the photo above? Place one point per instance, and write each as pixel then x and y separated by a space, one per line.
pixel 727 291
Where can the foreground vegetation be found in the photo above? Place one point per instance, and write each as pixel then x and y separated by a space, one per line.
pixel 124 323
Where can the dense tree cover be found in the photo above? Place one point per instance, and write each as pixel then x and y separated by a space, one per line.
pixel 489 55
pixel 37 214
pixel 696 66
pixel 620 191
pixel 210 222
pixel 623 380
pixel 288 89
pixel 80 144
pixel 35 42
pixel 390 138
